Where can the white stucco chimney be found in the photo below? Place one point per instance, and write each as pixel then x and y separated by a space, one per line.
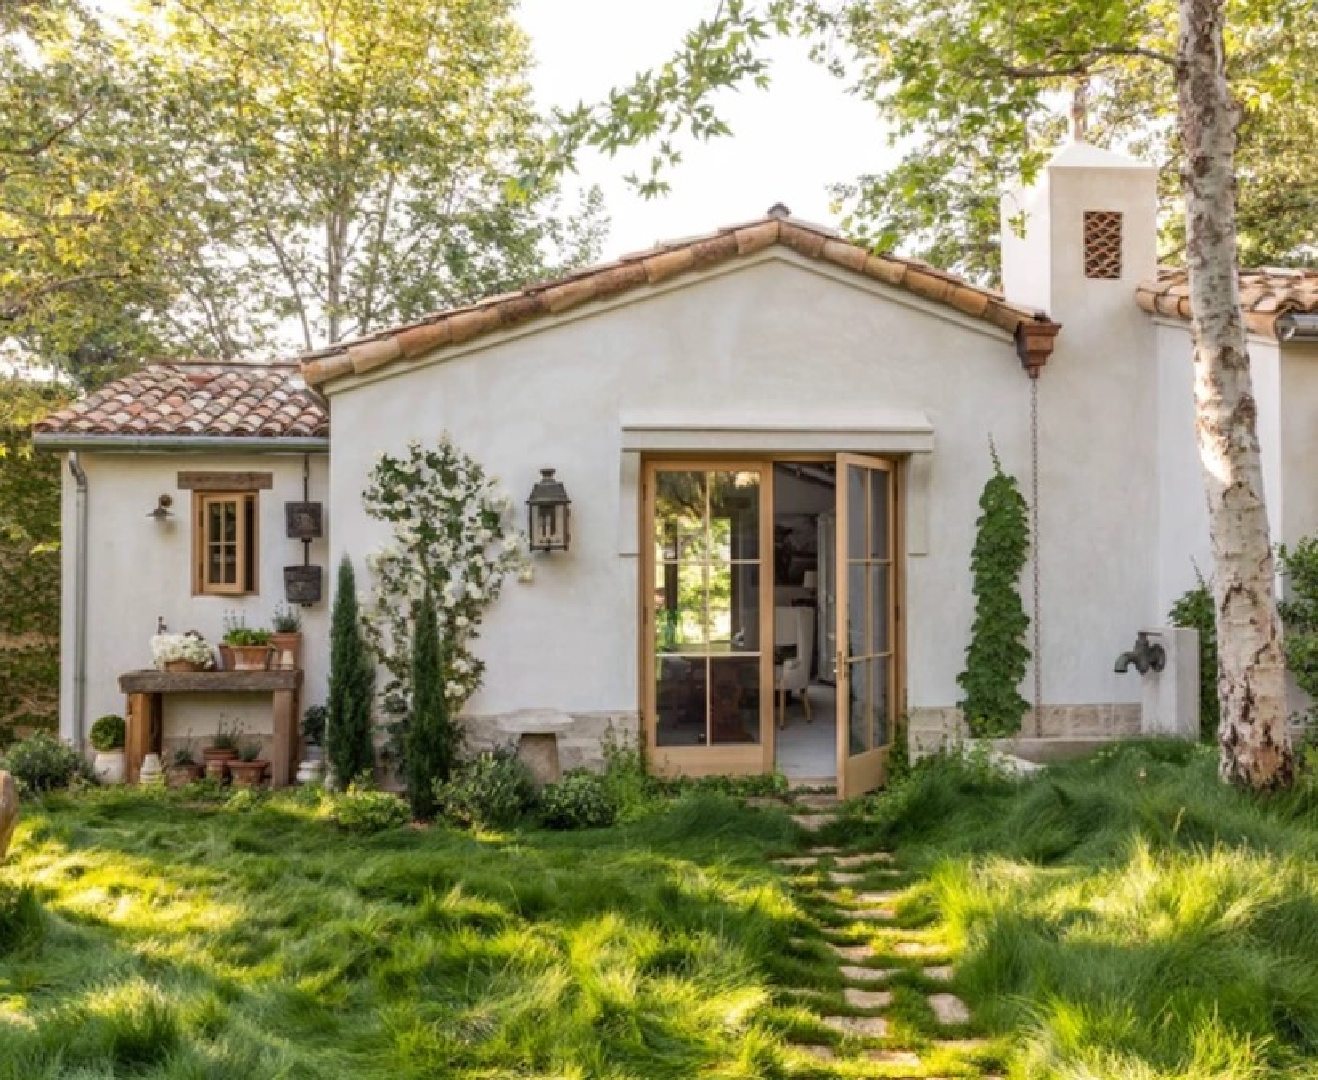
pixel 1078 241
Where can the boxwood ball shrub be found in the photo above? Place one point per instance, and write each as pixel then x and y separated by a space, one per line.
pixel 494 789
pixel 108 733
pixel 581 800
pixel 41 762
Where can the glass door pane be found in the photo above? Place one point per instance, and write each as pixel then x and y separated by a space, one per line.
pixel 707 582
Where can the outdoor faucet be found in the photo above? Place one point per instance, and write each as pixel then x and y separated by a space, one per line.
pixel 1146 656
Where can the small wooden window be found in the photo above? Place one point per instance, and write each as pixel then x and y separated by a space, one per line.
pixel 1102 243
pixel 224 542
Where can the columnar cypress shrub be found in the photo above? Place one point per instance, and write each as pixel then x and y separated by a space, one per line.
pixel 997 655
pixel 348 742
pixel 431 743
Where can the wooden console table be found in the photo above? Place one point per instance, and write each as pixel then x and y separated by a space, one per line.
pixel 146 692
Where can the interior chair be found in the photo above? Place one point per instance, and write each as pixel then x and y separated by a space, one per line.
pixel 793 626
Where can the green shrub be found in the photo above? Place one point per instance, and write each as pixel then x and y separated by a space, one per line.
pixel 108 733
pixel 1195 610
pixel 494 789
pixel 41 762
pixel 432 739
pixel 996 657
pixel 313 725
pixel 20 918
pixel 364 810
pixel 579 801
pixel 1299 612
pixel 349 743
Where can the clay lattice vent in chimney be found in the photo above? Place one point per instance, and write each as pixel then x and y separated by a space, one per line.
pixel 1102 243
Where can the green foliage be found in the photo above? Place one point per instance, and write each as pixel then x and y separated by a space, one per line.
pixel 1197 610
pixel 1299 612
pixel 349 747
pixel 997 655
pixel 313 724
pixel 41 763
pixel 108 733
pixel 20 918
pixel 362 809
pixel 244 635
pixel 581 800
pixel 492 790
pixel 432 739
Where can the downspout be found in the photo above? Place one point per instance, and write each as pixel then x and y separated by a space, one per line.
pixel 79 600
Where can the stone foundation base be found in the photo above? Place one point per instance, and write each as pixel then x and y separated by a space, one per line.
pixel 930 728
pixel 581 740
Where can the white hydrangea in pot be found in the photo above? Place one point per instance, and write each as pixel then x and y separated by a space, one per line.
pixel 181 652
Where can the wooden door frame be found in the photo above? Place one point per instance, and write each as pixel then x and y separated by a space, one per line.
pixel 733 759
pixel 872 773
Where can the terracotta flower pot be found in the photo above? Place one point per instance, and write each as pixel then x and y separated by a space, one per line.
pixel 182 665
pixel 248 774
pixel 288 650
pixel 250 657
pixel 177 776
pixel 226 656
pixel 217 761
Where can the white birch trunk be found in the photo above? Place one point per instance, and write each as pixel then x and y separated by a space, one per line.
pixel 1253 738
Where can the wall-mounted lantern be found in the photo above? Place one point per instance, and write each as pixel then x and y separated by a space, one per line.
pixel 162 511
pixel 304 520
pixel 549 514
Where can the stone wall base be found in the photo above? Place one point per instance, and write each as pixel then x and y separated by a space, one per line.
pixel 930 728
pixel 581 740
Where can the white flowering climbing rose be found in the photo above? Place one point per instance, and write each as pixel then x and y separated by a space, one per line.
pixel 452 530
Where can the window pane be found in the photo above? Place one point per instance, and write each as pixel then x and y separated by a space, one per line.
pixel 734 700
pixel 249 544
pixel 734 512
pixel 214 564
pixel 857 511
pixel 734 607
pixel 679 516
pixel 858 718
pixel 881 689
pixel 857 643
pixel 679 607
pixel 879 523
pixel 680 700
pixel 880 576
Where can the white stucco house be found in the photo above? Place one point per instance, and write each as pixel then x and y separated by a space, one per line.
pixel 774 443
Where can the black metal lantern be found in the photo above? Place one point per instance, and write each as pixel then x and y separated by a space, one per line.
pixel 549 512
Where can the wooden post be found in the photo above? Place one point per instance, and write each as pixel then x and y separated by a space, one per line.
pixel 284 750
pixel 137 737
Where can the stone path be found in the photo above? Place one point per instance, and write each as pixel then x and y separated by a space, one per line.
pixel 858 921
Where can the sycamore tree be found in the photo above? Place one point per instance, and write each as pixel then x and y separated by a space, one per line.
pixel 339 165
pixel 970 77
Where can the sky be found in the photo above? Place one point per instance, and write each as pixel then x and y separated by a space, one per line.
pixel 788 144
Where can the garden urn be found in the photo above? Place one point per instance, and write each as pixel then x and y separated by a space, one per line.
pixel 152 773
pixel 108 766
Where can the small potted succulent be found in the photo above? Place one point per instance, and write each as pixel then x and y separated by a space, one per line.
pixel 181 652
pixel 248 771
pixel 107 739
pixel 287 638
pixel 312 767
pixel 183 766
pixel 250 648
pixel 222 751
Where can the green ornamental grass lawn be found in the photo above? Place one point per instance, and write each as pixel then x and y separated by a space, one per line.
pixel 1125 917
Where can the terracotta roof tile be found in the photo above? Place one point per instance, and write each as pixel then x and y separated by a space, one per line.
pixel 1266 294
pixel 661 263
pixel 222 400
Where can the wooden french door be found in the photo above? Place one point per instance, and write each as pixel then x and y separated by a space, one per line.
pixel 867 672
pixel 707 603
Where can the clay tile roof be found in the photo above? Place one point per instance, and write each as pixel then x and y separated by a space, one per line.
pixel 220 400
pixel 658 264
pixel 1266 294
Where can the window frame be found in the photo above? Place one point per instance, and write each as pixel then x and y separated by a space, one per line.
pixel 247 554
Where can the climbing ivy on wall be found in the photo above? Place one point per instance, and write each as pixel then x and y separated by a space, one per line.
pixel 997 655
pixel 29 561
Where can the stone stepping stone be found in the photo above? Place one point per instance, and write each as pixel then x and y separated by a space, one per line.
pixel 797 860
pixel 867 1027
pixel 866 999
pixel 916 948
pixel 871 913
pixel 817 802
pixel 853 952
pixel 941 973
pixel 817 1051
pixel 764 802
pixel 876 899
pixel 949 1009
pixel 826 850
pixel 864 858
pixel 865 974
pixel 961 1046
pixel 838 878
pixel 908 1059
pixel 814 822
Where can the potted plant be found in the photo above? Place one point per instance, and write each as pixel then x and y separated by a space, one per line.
pixel 287 638
pixel 107 739
pixel 248 770
pixel 250 648
pixel 181 652
pixel 183 766
pixel 222 751
pixel 312 766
